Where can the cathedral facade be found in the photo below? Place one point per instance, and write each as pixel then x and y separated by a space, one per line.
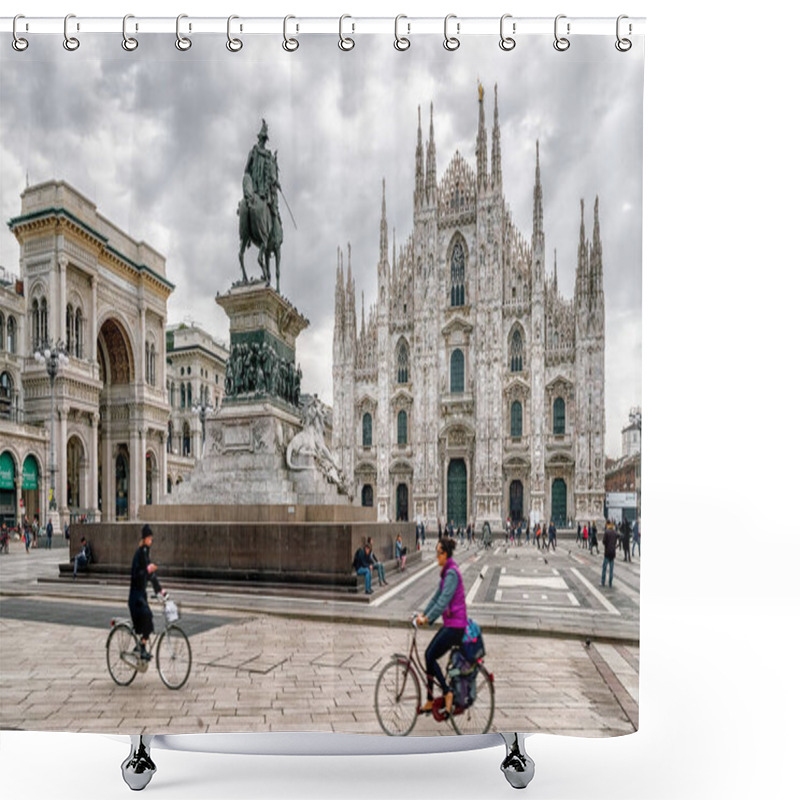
pixel 472 390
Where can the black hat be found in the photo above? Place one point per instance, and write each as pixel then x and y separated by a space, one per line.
pixel 146 531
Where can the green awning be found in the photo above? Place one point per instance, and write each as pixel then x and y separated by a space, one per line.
pixel 30 474
pixel 6 471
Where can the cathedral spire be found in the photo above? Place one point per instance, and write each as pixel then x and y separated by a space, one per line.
pixel 384 228
pixel 555 272
pixel 596 260
pixel 497 169
pixel 419 183
pixel 430 168
pixel 538 206
pixel 480 147
pixel 581 277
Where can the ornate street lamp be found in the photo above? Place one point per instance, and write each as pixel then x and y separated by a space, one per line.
pixel 54 357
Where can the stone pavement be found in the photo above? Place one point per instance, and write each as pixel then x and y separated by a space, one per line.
pixel 277 663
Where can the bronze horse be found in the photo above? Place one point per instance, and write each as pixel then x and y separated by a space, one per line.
pixel 259 225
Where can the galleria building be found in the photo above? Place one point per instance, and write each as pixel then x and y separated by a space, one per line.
pixel 473 390
pixel 123 428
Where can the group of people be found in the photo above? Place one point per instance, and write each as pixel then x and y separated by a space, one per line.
pixel 30 532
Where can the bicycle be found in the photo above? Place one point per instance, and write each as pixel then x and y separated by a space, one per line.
pixel 398 695
pixel 173 653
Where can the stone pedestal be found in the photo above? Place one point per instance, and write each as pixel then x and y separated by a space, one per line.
pixel 246 439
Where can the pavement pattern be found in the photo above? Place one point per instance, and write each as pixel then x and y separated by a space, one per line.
pixel 276 663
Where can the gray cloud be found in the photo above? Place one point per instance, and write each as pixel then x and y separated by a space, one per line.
pixel 158 139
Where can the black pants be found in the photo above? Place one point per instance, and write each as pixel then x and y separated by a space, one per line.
pixel 445 639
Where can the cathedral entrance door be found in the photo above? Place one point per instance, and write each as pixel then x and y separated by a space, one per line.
pixel 515 501
pixel 402 503
pixel 122 487
pixel 558 503
pixel 457 492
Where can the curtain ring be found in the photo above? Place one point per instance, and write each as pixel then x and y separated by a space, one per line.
pixel 561 43
pixel 71 43
pixel 451 42
pixel 234 45
pixel 623 45
pixel 506 42
pixel 345 42
pixel 401 42
pixel 289 45
pixel 183 43
pixel 18 43
pixel 129 43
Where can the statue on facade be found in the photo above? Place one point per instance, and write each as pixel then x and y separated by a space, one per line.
pixel 310 441
pixel 259 215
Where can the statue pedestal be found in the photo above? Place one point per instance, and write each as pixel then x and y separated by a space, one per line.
pixel 244 456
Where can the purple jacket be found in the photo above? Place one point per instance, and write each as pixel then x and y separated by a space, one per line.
pixel 455 615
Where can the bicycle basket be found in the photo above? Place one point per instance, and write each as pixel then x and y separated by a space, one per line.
pixel 171 611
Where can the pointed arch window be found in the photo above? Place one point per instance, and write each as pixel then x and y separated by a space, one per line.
pixel 402 428
pixel 36 334
pixel 457 269
pixel 366 496
pixel 78 333
pixel 43 322
pixel 516 419
pixel 183 395
pixel 402 362
pixel 559 416
pixel 457 372
pixel 366 430
pixel 2 332
pixel 187 440
pixel 517 355
pixel 70 330
pixel 189 395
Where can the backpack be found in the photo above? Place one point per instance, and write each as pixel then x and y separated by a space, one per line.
pixel 462 674
pixel 472 644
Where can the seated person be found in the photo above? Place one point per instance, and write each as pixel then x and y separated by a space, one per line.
pixel 377 565
pixel 363 566
pixel 84 557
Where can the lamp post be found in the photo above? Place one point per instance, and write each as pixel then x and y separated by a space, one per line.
pixel 53 356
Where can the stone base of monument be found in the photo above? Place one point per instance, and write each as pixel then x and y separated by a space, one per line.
pixel 259 546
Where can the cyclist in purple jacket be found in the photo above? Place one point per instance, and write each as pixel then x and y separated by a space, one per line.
pixel 449 602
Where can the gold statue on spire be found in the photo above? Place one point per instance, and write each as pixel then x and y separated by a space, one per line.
pixel 480 91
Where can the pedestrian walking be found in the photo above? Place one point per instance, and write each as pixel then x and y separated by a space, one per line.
pixel 585 541
pixel 26 532
pixel 609 554
pixel 626 539
pixel 593 540
pixel 637 542
pixel 49 534
pixel 551 535
pixel 537 534
pixel 578 534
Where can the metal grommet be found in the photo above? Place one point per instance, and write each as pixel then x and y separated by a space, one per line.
pixel 623 45
pixel 71 43
pixel 401 42
pixel 561 43
pixel 129 43
pixel 234 45
pixel 18 43
pixel 345 42
pixel 183 43
pixel 289 45
pixel 506 42
pixel 451 42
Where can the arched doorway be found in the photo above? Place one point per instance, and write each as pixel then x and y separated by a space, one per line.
pixel 515 497
pixel 8 476
pixel 121 493
pixel 76 464
pixel 558 504
pixel 148 484
pixel 401 514
pixel 366 496
pixel 30 489
pixel 457 492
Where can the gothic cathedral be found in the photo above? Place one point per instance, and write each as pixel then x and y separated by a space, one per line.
pixel 473 390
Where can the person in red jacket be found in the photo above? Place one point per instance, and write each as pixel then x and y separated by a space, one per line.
pixel 449 602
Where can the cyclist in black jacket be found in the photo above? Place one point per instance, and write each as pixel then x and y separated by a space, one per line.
pixel 142 571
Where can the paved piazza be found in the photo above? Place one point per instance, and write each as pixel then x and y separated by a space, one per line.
pixel 276 663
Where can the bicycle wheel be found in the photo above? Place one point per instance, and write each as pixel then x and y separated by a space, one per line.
pixel 477 718
pixel 397 697
pixel 121 654
pixel 173 657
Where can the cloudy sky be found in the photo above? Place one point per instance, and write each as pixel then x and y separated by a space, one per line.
pixel 158 139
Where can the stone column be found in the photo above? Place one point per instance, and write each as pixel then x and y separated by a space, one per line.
pixel 93 329
pixel 109 481
pixel 91 494
pixel 60 308
pixel 61 463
